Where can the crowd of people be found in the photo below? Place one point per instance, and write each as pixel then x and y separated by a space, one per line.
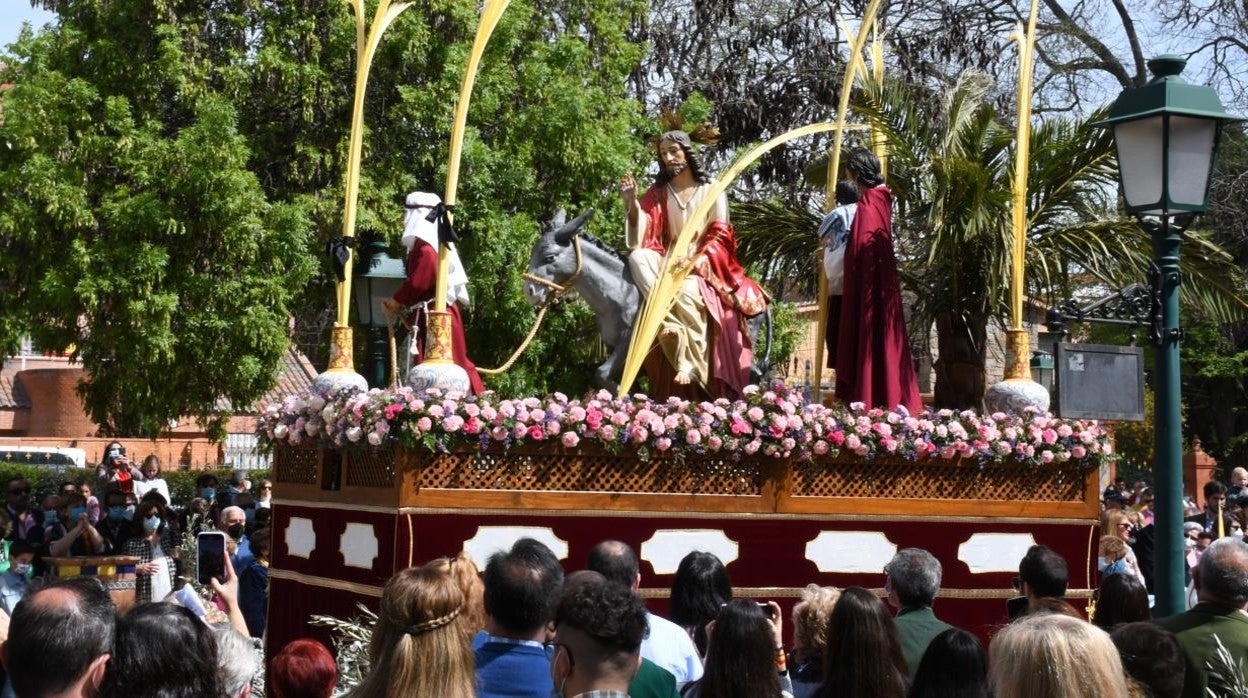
pixel 127 511
pixel 523 627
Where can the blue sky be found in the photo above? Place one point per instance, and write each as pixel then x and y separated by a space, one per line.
pixel 13 13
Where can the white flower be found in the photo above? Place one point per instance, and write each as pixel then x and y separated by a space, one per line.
pixel 354 434
pixel 374 438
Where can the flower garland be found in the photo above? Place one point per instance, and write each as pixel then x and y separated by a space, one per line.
pixel 777 422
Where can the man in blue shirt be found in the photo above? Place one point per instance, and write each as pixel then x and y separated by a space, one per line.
pixel 521 588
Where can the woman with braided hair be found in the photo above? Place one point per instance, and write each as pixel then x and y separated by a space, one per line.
pixel 420 645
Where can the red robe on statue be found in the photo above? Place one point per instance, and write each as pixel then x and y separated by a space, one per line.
pixel 873 362
pixel 418 287
pixel 729 294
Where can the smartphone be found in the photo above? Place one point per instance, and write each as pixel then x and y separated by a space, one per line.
pixel 1016 607
pixel 210 556
pixel 766 609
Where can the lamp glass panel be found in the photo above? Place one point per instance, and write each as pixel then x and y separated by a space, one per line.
pixel 383 287
pixel 1191 158
pixel 364 311
pixel 1139 160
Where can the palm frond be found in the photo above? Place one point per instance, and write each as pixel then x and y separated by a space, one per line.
pixel 779 245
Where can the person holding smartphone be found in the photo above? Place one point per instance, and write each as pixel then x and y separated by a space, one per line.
pixel 745 654
pixel 153 544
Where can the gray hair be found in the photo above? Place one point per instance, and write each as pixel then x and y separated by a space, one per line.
pixel 236 661
pixel 1223 571
pixel 226 512
pixel 914 574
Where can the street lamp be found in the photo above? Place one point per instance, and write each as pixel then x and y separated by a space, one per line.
pixel 1166 134
pixel 381 276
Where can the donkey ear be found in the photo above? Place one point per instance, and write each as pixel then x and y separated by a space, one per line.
pixel 569 230
pixel 558 221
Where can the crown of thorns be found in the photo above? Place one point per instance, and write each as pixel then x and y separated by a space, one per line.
pixel 703 134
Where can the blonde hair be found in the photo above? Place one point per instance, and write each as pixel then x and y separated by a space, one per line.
pixel 810 621
pixel 1110 521
pixel 1055 656
pixel 420 645
pixel 465 572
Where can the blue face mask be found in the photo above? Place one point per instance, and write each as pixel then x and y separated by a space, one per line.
pixel 151 523
pixel 116 513
pixel 76 512
pixel 49 517
pixel 208 493
pixel 23 569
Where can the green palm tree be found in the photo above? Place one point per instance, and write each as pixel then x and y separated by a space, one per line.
pixel 950 165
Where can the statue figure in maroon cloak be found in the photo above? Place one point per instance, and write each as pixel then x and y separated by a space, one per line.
pixel 873 361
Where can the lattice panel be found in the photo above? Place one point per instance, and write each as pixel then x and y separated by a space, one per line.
pixel 935 481
pixel 296 466
pixel 371 467
pixel 588 473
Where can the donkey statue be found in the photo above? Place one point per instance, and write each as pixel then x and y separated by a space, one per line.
pixel 567 258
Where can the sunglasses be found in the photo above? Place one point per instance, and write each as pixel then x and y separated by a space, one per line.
pixel 20 491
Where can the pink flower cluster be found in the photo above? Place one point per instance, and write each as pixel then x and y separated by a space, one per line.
pixel 771 422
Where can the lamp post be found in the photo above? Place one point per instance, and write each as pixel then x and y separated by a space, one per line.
pixel 1166 135
pixel 380 276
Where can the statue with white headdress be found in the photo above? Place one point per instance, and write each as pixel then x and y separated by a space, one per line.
pixel 422 218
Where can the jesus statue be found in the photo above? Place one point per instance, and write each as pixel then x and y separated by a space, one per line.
pixel 704 336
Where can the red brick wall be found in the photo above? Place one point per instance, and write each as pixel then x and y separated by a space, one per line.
pixel 193 452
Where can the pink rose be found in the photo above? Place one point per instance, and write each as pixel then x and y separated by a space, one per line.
pixel 537 433
pixel 424 424
pixel 821 447
pixel 607 433
pixel 663 443
pixel 1078 452
pixel 472 426
pixel 452 424
pixel 638 434
pixel 569 439
pixel 499 433
pixel 553 428
pixel 714 443
pixel 693 437
pixel 755 414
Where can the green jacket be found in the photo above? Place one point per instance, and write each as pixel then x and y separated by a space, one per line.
pixel 652 681
pixel 916 626
pixel 1195 631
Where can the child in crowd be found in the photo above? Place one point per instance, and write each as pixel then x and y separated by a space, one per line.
pixel 15 581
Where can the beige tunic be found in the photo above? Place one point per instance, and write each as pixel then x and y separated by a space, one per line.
pixel 688 348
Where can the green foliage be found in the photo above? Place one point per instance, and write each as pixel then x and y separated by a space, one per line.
pixel 787 333
pixel 172 174
pixel 134 232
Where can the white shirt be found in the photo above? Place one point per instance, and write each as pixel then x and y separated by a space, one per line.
pixel 161 587
pixel 157 483
pixel 669 646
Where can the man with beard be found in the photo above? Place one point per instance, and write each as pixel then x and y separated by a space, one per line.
pixel 703 336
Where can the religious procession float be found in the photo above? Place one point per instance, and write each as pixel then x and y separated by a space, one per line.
pixel 785 489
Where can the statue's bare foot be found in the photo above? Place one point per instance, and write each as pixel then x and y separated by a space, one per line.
pixel 668 336
pixel 683 378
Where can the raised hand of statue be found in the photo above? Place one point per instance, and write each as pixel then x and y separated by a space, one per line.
pixel 391 307
pixel 628 191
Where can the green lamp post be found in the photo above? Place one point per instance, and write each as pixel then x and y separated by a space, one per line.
pixel 1166 134
pixel 380 276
